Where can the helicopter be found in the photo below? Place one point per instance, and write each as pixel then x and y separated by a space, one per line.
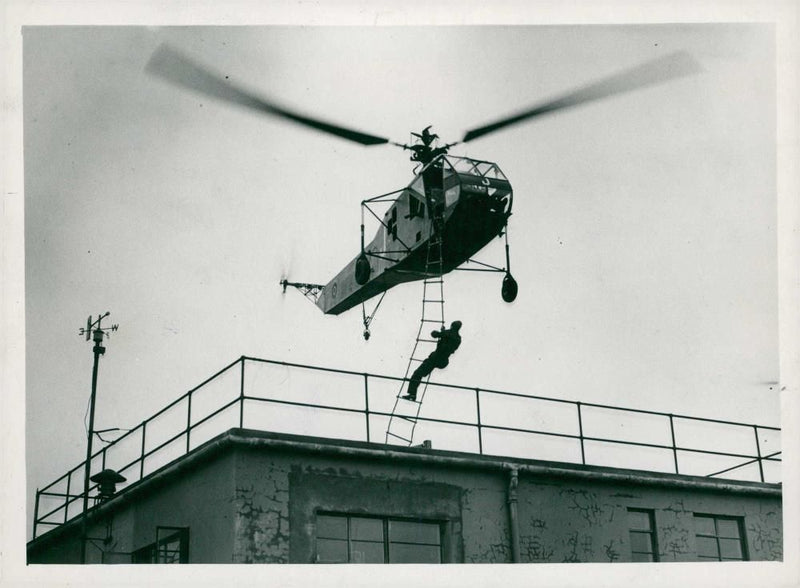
pixel 458 203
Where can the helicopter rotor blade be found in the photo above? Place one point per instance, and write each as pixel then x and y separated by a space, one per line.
pixel 170 65
pixel 663 69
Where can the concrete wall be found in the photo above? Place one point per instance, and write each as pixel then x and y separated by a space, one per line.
pixel 65 550
pixel 560 519
pixel 199 497
pixel 261 508
pixel 255 499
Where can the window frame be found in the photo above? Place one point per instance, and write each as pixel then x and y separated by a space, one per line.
pixel 416 207
pixel 651 516
pixel 745 555
pixel 151 554
pixel 386 541
pixel 391 226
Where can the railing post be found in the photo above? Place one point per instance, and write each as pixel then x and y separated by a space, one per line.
pixel 188 420
pixel 674 445
pixel 141 458
pixel 366 402
pixel 758 453
pixel 241 396
pixel 36 511
pixel 66 500
pixel 580 433
pixel 480 429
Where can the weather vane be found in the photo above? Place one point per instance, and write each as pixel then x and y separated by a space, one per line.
pixel 95 326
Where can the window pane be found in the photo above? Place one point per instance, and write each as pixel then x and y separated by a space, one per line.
pixel 417 186
pixel 331 527
pixel 331 551
pixel 170 552
pixel 366 529
pixel 641 557
pixel 641 542
pixel 730 548
pixel 707 547
pixel 728 528
pixel 412 532
pixel 704 525
pixel 404 553
pixel 639 520
pixel 451 195
pixel 366 552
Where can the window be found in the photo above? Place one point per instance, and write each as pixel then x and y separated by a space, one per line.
pixel 418 186
pixel 415 207
pixel 391 226
pixel 356 539
pixel 171 546
pixel 641 523
pixel 719 538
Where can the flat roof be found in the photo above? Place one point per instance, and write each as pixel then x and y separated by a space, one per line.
pixel 390 454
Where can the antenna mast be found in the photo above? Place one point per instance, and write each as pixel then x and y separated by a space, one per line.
pixel 96 332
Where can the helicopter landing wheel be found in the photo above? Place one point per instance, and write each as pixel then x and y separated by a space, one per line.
pixel 362 270
pixel 509 288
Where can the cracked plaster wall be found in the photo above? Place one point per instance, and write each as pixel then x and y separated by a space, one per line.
pixel 567 521
pixel 261 506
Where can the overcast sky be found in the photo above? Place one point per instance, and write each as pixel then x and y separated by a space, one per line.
pixel 643 236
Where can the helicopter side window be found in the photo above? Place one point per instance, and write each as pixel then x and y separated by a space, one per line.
pixel 391 226
pixel 418 185
pixel 415 208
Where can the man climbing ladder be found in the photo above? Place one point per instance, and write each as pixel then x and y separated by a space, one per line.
pixel 449 340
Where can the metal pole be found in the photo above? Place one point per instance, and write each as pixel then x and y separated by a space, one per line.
pixel 674 446
pixel 580 433
pixel 241 397
pixel 366 403
pixel 188 420
pixel 66 500
pixel 36 512
pixel 478 409
pixel 141 459
pixel 758 453
pixel 98 350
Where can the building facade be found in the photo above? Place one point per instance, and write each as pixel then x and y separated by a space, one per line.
pixel 247 496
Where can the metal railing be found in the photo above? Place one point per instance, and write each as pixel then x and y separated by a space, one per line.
pixel 302 399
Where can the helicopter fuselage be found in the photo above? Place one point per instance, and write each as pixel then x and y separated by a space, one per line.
pixel 464 201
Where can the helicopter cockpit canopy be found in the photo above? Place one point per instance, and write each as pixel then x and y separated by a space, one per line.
pixel 450 177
